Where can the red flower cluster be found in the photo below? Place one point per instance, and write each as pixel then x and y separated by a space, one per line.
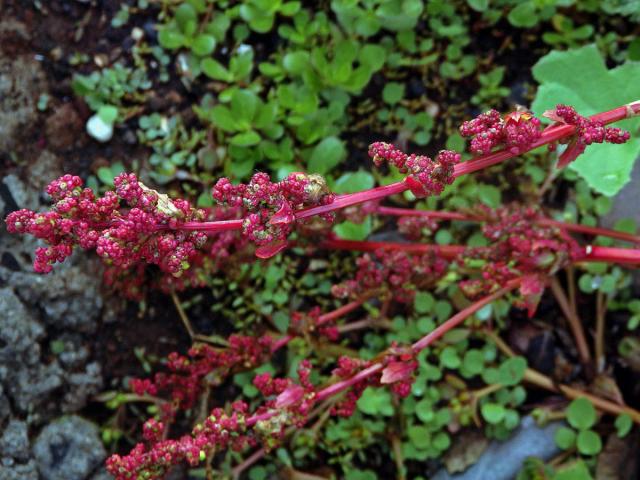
pixel 516 131
pixel 417 227
pixel 184 380
pixel 400 273
pixel 425 176
pixel 519 248
pixel 587 132
pixel 271 206
pixel 219 430
pixel 304 324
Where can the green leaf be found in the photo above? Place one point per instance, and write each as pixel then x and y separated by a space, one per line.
pixel 493 412
pixel 244 104
pixel 186 16
pixel 473 362
pixel 326 155
pixel 419 436
pixel 214 69
pixel 246 139
pixel 588 442
pixel 170 39
pixel 376 401
pixel 511 371
pixel 523 15
pixel 354 231
pixel 393 92
pixel 108 114
pixel 449 358
pixel 423 302
pixel 203 45
pixel 623 424
pixel 565 438
pixel 575 471
pixel 221 117
pixel 478 5
pixel 580 78
pixel 581 414
pixel 296 63
pixel 352 182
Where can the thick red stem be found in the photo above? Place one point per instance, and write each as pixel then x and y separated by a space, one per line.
pixel 594 253
pixel 445 251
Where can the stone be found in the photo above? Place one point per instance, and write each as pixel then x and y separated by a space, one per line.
pixel 68 449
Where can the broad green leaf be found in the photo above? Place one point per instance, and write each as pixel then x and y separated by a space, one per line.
pixel 581 79
pixel 354 231
pixel 170 39
pixel 108 114
pixel 326 155
pixel 493 412
pixel 581 414
pixel 565 438
pixel 203 45
pixel 214 69
pixel 352 182
pixel 246 139
pixel 588 442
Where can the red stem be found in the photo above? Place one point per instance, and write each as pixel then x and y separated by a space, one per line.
pixel 594 253
pixel 549 135
pixel 572 227
pixel 322 319
pixel 445 251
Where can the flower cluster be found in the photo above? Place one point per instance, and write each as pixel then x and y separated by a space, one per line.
pixel 219 430
pixel 271 206
pixel 129 228
pixel 587 132
pixel 516 131
pixel 186 374
pixel 398 273
pixel 519 248
pixel 305 324
pixel 425 176
pixel 417 227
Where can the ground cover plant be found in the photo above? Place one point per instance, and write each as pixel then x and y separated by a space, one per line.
pixel 371 259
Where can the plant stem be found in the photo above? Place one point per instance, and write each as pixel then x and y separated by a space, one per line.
pixel 542 381
pixel 182 315
pixel 601 310
pixel 572 227
pixel 445 251
pixel 549 135
pixel 595 253
pixel 574 322
pixel 327 317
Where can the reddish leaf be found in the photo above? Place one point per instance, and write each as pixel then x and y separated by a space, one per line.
pixel 267 251
pixel 397 371
pixel 290 396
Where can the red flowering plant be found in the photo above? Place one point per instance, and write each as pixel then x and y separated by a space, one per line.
pixel 135 227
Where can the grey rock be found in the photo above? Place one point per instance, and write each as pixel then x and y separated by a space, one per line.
pixel 22 79
pixel 68 449
pixel 14 442
pixel 81 386
pixel 18 330
pixel 13 471
pixel 503 460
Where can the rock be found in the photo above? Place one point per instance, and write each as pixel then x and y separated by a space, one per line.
pixel 22 79
pixel 14 442
pixel 81 386
pixel 68 449
pixel 13 471
pixel 503 460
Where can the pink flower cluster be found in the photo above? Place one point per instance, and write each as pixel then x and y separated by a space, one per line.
pixel 519 248
pixel 305 324
pixel 425 176
pixel 587 132
pixel 417 227
pixel 398 273
pixel 219 430
pixel 146 231
pixel 516 131
pixel 184 379
pixel 271 206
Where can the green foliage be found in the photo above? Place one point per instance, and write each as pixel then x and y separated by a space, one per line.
pixel 580 78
